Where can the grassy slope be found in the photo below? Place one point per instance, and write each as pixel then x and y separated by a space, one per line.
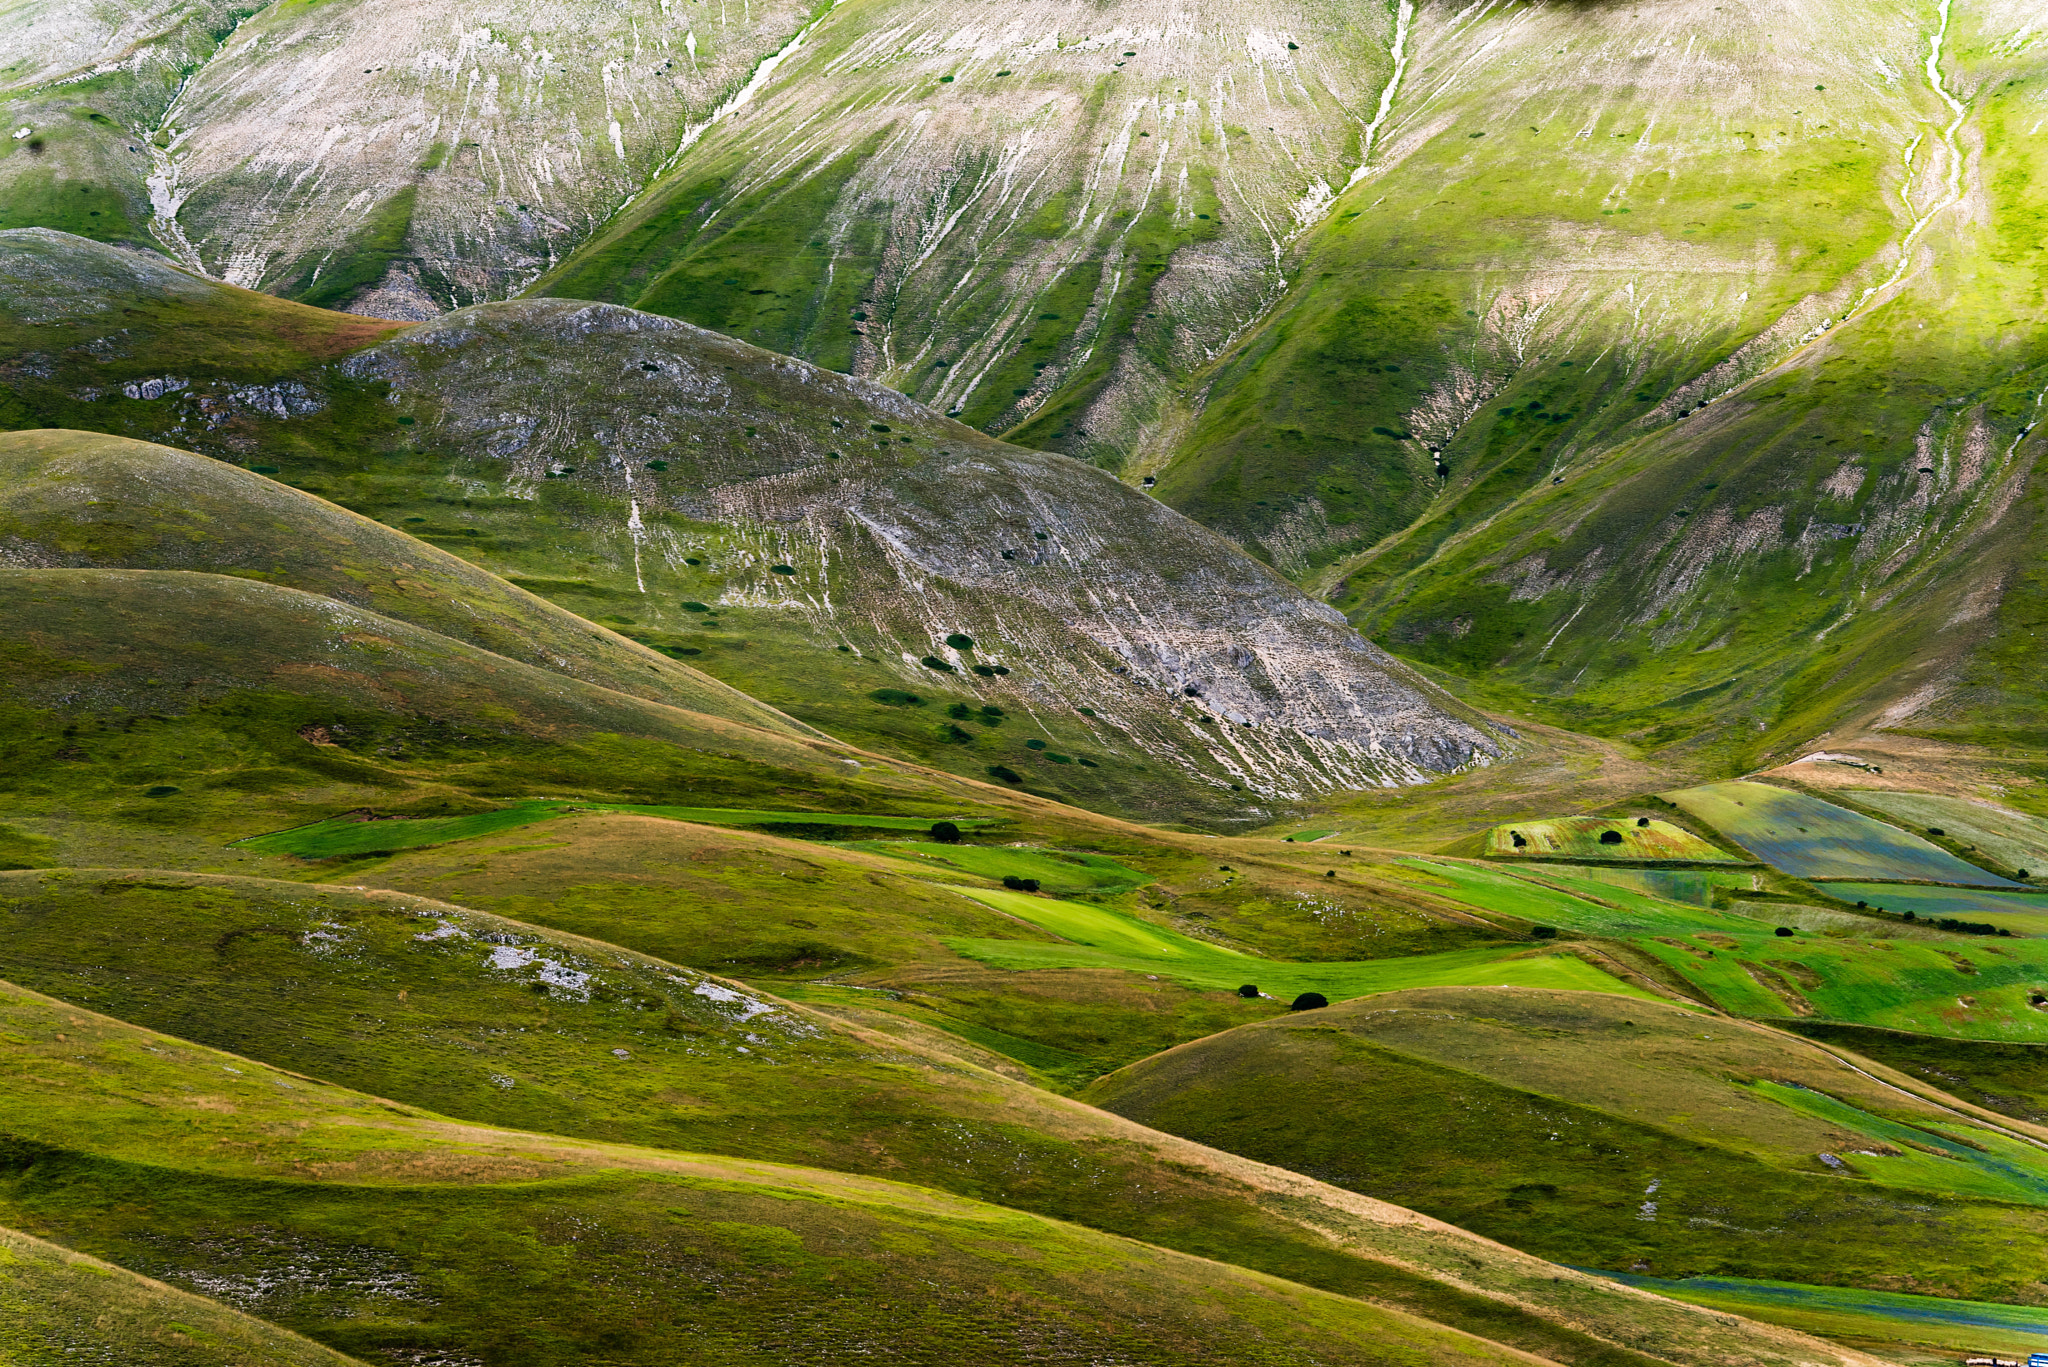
pixel 61 1306
pixel 373 1227
pixel 82 500
pixel 895 531
pixel 2011 1079
pixel 1548 1121
pixel 426 1022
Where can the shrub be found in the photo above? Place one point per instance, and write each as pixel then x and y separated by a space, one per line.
pixel 783 569
pixel 1248 990
pixel 1610 837
pixel 1543 932
pixel 896 697
pixel 991 710
pixel 945 832
pixel 696 607
pixel 1058 758
pixel 1034 744
pixel 953 735
pixel 1642 821
pixel 1308 1001
pixel 986 671
pixel 960 711
pixel 1005 773
pixel 1936 830
pixel 960 641
pixel 1016 884
pixel 934 662
pixel 1784 932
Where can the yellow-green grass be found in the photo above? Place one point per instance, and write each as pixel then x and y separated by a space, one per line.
pixel 1606 1132
pixel 1056 870
pixel 57 1306
pixel 352 836
pixel 1099 938
pixel 1642 839
pixel 1809 838
pixel 2013 840
pixel 2021 913
pixel 1963 986
pixel 1961 1159
pixel 981 1136
pixel 388 1232
pixel 1588 901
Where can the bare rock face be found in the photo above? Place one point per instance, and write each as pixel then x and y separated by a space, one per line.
pixel 847 513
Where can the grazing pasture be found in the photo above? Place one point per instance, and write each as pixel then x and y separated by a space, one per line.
pixel 1809 838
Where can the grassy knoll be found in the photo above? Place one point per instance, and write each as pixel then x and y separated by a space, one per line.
pixel 1098 938
pixel 2008 1078
pixel 449 1018
pixel 1598 1131
pixel 60 1306
pixel 1999 835
pixel 1809 838
pixel 1638 839
pixel 1968 987
pixel 385 1232
pixel 84 500
pixel 358 835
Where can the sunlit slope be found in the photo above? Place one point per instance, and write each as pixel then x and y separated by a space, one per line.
pixel 61 1306
pixel 1755 473
pixel 183 710
pixel 497 1022
pixel 820 542
pixel 1605 1132
pixel 81 500
pixel 1041 218
pixel 376 1228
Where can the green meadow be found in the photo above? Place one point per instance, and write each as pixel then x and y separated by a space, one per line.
pixel 1099 938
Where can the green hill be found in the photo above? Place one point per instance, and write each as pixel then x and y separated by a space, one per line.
pixel 1599 1131
pixel 60 1306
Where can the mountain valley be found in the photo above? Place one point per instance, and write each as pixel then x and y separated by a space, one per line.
pixel 1116 683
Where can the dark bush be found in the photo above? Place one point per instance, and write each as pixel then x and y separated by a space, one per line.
pixel 1005 773
pixel 896 697
pixel 1861 905
pixel 1016 884
pixel 1543 932
pixel 945 832
pixel 782 569
pixel 990 710
pixel 960 711
pixel 960 641
pixel 696 607
pixel 953 735
pixel 1610 837
pixel 1784 931
pixel 161 790
pixel 1520 842
pixel 1308 1001
pixel 934 662
pixel 1936 830
pixel 986 671
pixel 1248 990
pixel 1642 821
pixel 1034 744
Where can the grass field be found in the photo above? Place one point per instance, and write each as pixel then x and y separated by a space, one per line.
pixel 344 837
pixel 1967 987
pixel 1099 938
pixel 2022 913
pixel 1809 838
pixel 386 1232
pixel 1929 1156
pixel 2014 840
pixel 1954 1326
pixel 1589 901
pixel 2011 1079
pixel 1601 1131
pixel 1583 837
pixel 1056 870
